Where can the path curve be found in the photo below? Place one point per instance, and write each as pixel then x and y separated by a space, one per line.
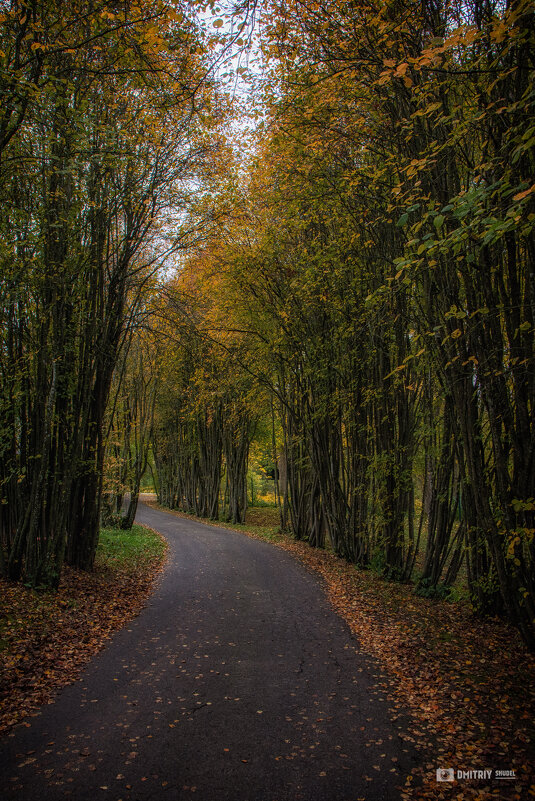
pixel 237 682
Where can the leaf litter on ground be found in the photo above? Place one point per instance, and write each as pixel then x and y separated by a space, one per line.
pixel 47 637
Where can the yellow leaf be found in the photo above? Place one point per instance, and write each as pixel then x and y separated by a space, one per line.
pixel 525 193
pixel 498 34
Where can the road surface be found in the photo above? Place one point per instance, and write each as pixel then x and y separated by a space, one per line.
pixel 237 682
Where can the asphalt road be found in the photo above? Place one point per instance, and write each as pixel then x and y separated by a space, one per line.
pixel 237 682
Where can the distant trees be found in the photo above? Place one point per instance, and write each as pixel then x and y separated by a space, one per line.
pixel 207 406
pixel 130 419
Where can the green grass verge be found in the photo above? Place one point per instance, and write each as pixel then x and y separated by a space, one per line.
pixel 128 550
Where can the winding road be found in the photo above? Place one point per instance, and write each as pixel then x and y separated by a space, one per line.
pixel 237 682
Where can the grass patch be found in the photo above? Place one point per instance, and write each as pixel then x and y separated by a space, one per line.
pixel 128 550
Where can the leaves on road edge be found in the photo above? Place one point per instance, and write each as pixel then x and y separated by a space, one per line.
pixel 47 638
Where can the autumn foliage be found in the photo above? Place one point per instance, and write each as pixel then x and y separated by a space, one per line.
pixel 371 270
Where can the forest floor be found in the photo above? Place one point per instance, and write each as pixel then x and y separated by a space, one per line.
pixel 47 637
pixel 468 682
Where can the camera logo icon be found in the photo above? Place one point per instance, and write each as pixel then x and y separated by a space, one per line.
pixel 445 775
